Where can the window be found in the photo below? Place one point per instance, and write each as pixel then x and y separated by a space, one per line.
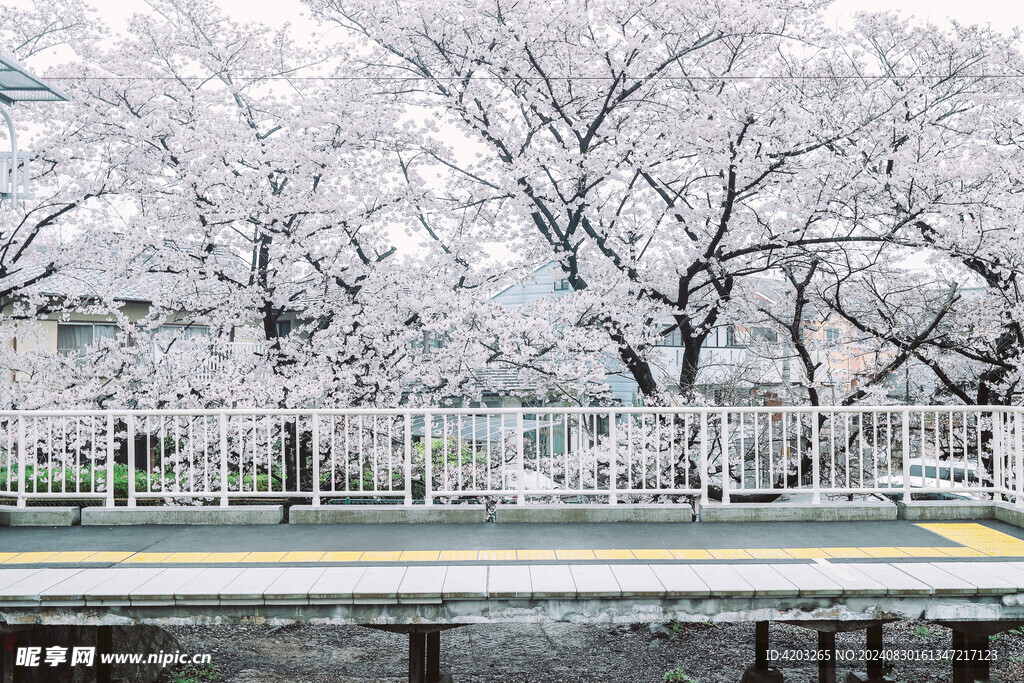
pixel 673 338
pixel 764 334
pixel 832 334
pixel 730 336
pixel 562 286
pixel 284 328
pixel 186 331
pixel 75 337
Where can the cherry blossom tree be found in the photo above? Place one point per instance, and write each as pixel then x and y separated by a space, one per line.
pixel 667 152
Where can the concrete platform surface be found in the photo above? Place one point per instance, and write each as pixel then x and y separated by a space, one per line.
pixel 624 593
pixel 281 545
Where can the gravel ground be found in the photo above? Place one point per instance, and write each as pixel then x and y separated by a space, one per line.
pixel 707 653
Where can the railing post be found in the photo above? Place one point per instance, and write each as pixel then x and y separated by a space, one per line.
pixel 316 459
pixel 1019 464
pixel 224 459
pixel 520 464
pixel 816 464
pixel 133 466
pixel 408 459
pixel 999 429
pixel 704 458
pixel 110 461
pixel 906 456
pixel 725 457
pixel 428 460
pixel 22 461
pixel 613 460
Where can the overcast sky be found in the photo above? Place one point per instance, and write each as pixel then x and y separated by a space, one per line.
pixel 1003 14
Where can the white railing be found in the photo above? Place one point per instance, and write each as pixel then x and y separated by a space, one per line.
pixel 442 455
pixel 14 175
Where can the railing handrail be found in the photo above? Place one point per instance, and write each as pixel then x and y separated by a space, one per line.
pixel 550 410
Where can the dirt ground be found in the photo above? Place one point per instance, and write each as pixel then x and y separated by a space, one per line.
pixel 705 653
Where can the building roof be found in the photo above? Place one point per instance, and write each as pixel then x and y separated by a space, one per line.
pixel 18 85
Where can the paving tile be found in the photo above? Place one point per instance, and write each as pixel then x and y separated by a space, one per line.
pixel 419 556
pixel 205 588
pixel 496 555
pixel 637 581
pixel 146 558
pixel 303 556
pixel 457 556
pixel 74 589
pixel 852 581
pixel 342 556
pixel 680 581
pixel 31 585
pixel 30 558
pixel 885 552
pixel 1007 571
pixel 249 585
pixel 766 580
pixel 72 556
pixel 535 555
pixel 509 582
pixel 422 584
pixel 161 588
pixel 465 582
pixel 292 586
pixel 264 557
pixel 895 580
pixel 941 582
pixel 224 558
pixel 977 573
pixel 731 554
pixel 575 554
pixel 722 580
pixel 379 585
pixel 614 554
pixel 110 556
pixel 336 585
pixel 116 591
pixel 594 581
pixel 691 554
pixel 810 581
pixel 185 557
pixel 652 554
pixel 552 582
pixel 9 576
pixel 845 553
pixel 768 553
pixel 381 556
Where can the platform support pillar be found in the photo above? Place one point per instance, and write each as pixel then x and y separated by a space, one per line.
pixel 424 656
pixel 761 672
pixel 417 657
pixel 874 651
pixel 104 646
pixel 827 657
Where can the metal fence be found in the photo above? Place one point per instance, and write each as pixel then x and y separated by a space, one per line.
pixel 442 455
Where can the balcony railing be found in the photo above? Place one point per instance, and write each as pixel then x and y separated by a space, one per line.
pixel 443 455
pixel 14 175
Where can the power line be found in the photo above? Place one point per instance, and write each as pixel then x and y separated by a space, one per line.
pixel 751 77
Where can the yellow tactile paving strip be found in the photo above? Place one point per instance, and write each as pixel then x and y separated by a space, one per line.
pixel 974 540
pixel 979 538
